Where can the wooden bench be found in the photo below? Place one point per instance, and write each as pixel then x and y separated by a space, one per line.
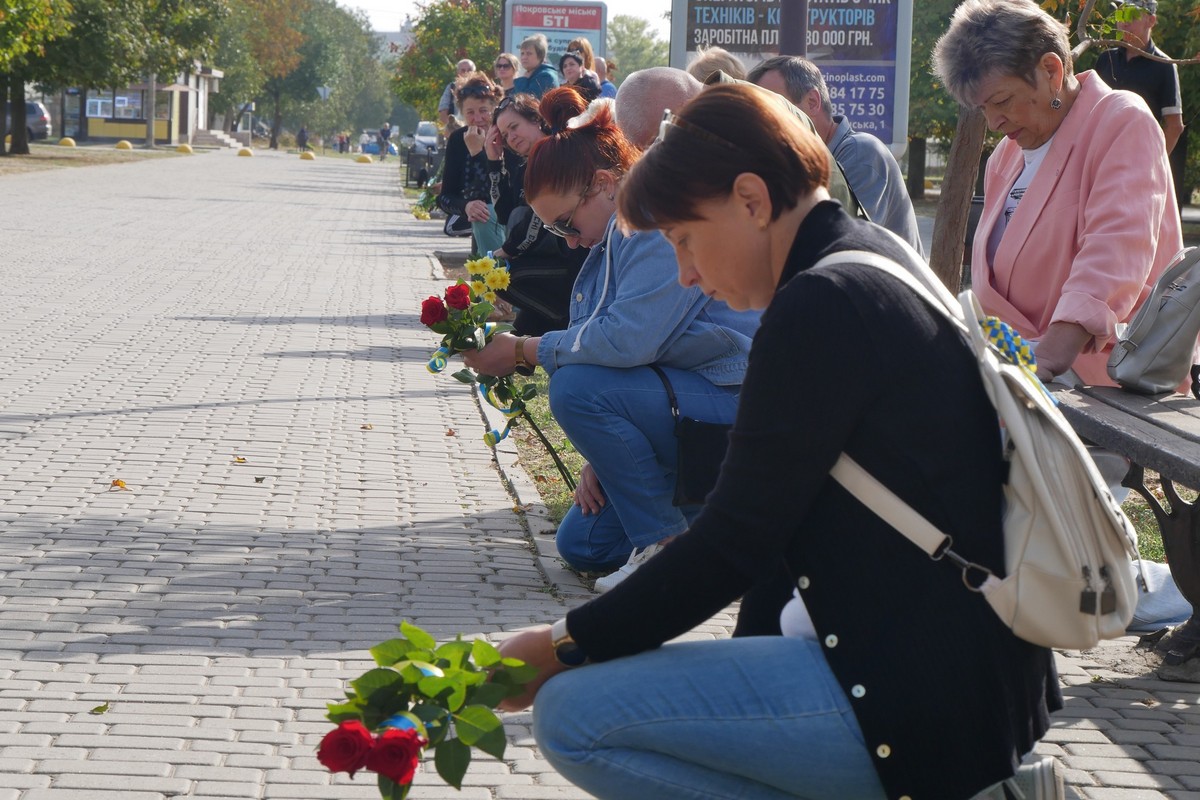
pixel 1162 434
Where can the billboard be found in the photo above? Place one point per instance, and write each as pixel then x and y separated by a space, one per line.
pixel 862 47
pixel 559 22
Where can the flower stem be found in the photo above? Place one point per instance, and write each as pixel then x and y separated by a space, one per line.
pixel 562 468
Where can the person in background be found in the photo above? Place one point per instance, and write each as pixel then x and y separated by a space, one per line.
pixel 541 265
pixel 574 74
pixel 302 138
pixel 628 312
pixel 465 183
pixel 645 94
pixel 869 166
pixel 712 59
pixel 1079 216
pixel 385 140
pixel 446 108
pixel 607 87
pixel 903 683
pixel 505 70
pixel 583 46
pixel 539 76
pixel 1156 82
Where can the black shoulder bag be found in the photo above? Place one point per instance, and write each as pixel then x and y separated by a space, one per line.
pixel 701 447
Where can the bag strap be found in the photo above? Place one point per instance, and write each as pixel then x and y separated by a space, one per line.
pixel 662 376
pixel 865 487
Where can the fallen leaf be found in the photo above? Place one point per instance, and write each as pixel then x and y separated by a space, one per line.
pixel 260 480
pixel 451 432
pixel 366 427
pixel 101 709
pixel 119 485
pixel 239 460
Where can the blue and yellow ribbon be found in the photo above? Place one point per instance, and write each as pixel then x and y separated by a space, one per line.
pixel 441 357
pixel 1010 344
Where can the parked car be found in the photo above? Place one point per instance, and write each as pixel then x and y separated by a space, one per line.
pixel 425 139
pixel 37 119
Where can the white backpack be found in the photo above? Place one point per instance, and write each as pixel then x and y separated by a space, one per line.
pixel 1067 543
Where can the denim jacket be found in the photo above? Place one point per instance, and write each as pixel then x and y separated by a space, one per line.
pixel 628 310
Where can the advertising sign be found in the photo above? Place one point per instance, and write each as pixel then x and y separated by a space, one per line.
pixel 559 22
pixel 863 48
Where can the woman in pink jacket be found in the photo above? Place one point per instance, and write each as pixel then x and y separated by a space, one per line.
pixel 1079 214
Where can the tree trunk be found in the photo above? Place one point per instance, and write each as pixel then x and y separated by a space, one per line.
pixel 148 107
pixel 276 122
pixel 954 207
pixel 20 122
pixel 917 147
pixel 3 117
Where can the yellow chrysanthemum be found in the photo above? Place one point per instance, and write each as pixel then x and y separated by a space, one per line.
pixel 478 288
pixel 489 296
pixel 497 279
pixel 481 266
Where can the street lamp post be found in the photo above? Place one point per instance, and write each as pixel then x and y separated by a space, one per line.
pixel 324 92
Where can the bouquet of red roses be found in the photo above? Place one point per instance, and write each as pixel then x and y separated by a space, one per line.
pixel 420 696
pixel 460 316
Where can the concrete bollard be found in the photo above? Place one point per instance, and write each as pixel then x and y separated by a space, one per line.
pixel 307 156
pixel 245 151
pixel 124 145
pixel 66 141
pixel 184 148
pixel 363 158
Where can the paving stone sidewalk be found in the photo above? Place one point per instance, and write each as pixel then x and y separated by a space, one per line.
pixel 237 340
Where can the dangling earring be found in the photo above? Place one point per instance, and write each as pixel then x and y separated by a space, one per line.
pixel 1056 103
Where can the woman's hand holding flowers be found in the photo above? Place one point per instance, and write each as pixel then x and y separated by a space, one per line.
pixel 534 648
pixel 498 358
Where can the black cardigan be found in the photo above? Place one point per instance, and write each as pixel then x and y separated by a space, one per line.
pixel 849 359
pixel 464 176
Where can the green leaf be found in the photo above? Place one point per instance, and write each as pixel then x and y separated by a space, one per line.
pixel 479 727
pixel 454 653
pixel 417 636
pixel 489 694
pixel 100 709
pixel 390 790
pixel 484 653
pixel 375 685
pixel 452 758
pixel 391 651
pixel 502 327
pixel 515 674
pixel 340 712
pixel 464 375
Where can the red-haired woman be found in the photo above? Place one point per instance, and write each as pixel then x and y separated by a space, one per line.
pixel 899 682
pixel 542 266
pixel 628 311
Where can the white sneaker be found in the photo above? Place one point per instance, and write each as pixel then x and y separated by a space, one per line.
pixel 1039 780
pixel 636 559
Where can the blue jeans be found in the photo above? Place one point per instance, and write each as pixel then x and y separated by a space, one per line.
pixel 620 421
pixel 758 717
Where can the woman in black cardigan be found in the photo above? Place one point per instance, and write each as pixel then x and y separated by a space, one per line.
pixel 465 174
pixel 890 678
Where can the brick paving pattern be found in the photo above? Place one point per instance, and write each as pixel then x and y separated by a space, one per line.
pixel 216 332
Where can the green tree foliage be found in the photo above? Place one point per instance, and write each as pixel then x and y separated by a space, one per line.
pixel 634 44
pixel 932 113
pixel 447 31
pixel 26 26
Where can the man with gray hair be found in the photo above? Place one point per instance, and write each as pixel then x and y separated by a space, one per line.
pixel 644 95
pixel 869 166
pixel 464 68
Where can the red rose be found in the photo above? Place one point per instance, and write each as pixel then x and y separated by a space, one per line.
pixel 395 754
pixel 346 748
pixel 432 311
pixel 458 296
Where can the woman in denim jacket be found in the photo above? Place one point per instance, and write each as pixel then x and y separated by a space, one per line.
pixel 627 311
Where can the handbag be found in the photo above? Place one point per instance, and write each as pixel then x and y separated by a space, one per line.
pixel 701 448
pixel 1155 352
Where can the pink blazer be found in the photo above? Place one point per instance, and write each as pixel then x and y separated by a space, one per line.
pixel 1094 230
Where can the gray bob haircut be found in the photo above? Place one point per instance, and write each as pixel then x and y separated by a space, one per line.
pixel 800 76
pixel 997 37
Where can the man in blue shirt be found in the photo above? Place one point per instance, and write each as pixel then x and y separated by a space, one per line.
pixel 869 167
pixel 446 104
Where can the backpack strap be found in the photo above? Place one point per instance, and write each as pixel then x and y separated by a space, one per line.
pixel 864 486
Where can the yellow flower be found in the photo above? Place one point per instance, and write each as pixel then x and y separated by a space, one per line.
pixel 481 266
pixel 489 296
pixel 497 279
pixel 420 213
pixel 478 288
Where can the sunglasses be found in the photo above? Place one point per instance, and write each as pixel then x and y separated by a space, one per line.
pixel 565 229
pixel 674 122
pixel 503 65
pixel 477 91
